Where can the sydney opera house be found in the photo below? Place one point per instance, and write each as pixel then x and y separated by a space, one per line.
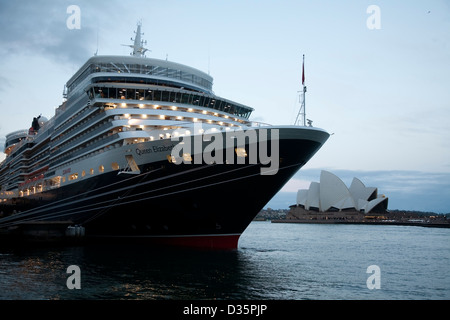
pixel 332 196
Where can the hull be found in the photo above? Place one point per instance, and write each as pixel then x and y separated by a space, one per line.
pixel 195 205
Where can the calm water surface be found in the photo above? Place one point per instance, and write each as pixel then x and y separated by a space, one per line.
pixel 274 261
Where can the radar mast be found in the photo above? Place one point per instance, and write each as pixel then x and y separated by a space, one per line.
pixel 138 45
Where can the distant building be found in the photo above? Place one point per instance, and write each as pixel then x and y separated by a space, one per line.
pixel 332 195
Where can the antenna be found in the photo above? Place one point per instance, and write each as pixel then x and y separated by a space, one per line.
pixel 209 57
pixel 96 51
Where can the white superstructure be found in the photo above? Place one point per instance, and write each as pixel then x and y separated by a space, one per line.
pixel 113 102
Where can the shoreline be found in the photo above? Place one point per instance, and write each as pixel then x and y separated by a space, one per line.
pixel 392 223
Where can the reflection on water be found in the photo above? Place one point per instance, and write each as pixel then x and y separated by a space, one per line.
pixel 274 261
pixel 127 272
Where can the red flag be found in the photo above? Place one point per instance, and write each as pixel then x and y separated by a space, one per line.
pixel 303 71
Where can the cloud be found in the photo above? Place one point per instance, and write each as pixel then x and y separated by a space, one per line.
pixel 39 28
pixel 4 83
pixel 294 185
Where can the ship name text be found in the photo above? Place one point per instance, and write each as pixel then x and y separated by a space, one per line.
pixel 154 149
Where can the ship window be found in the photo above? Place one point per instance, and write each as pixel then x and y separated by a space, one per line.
pixel 187 157
pixel 241 152
pixel 171 158
pixel 131 94
pixel 63 179
pixel 140 94
pixel 91 171
pixel 101 168
pixel 83 173
pixel 157 95
pixel 115 166
pixel 73 176
pixel 165 96
pixel 99 93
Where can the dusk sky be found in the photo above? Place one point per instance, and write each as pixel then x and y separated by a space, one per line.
pixel 378 80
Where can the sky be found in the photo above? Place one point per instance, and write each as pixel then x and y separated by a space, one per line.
pixel 378 79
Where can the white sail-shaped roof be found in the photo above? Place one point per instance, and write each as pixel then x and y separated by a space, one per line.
pixel 332 192
pixel 302 194
pixel 313 200
pixel 346 203
pixel 361 205
pixel 359 191
pixel 372 204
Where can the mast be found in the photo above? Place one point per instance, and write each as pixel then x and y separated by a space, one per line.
pixel 302 111
pixel 138 45
pixel 304 92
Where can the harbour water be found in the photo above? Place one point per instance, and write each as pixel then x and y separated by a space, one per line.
pixel 274 261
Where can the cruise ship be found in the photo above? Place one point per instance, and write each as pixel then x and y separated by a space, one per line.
pixel 141 149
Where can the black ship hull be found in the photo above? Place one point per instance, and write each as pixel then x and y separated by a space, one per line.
pixel 202 205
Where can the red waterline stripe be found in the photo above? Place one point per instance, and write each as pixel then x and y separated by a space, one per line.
pixel 210 241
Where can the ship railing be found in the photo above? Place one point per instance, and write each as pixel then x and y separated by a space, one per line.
pixel 44 130
pixel 16 134
pixel 95 146
pixel 257 124
pixel 94 131
pixel 19 148
pixel 85 119
pixel 37 137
